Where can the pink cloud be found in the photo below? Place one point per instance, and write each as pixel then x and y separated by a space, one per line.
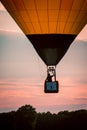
pixel 15 93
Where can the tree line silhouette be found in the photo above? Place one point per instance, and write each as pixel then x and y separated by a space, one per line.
pixel 26 118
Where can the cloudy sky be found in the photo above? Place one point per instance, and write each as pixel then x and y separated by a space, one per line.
pixel 22 72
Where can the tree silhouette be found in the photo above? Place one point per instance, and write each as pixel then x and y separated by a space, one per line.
pixel 7 121
pixel 25 118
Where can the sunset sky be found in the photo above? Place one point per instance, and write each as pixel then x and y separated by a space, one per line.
pixel 22 72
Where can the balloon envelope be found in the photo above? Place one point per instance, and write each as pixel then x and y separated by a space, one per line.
pixel 51 25
pixel 51 47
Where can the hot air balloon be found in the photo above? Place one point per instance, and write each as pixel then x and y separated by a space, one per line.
pixel 51 26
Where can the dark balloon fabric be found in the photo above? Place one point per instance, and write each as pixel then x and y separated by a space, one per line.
pixel 51 47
